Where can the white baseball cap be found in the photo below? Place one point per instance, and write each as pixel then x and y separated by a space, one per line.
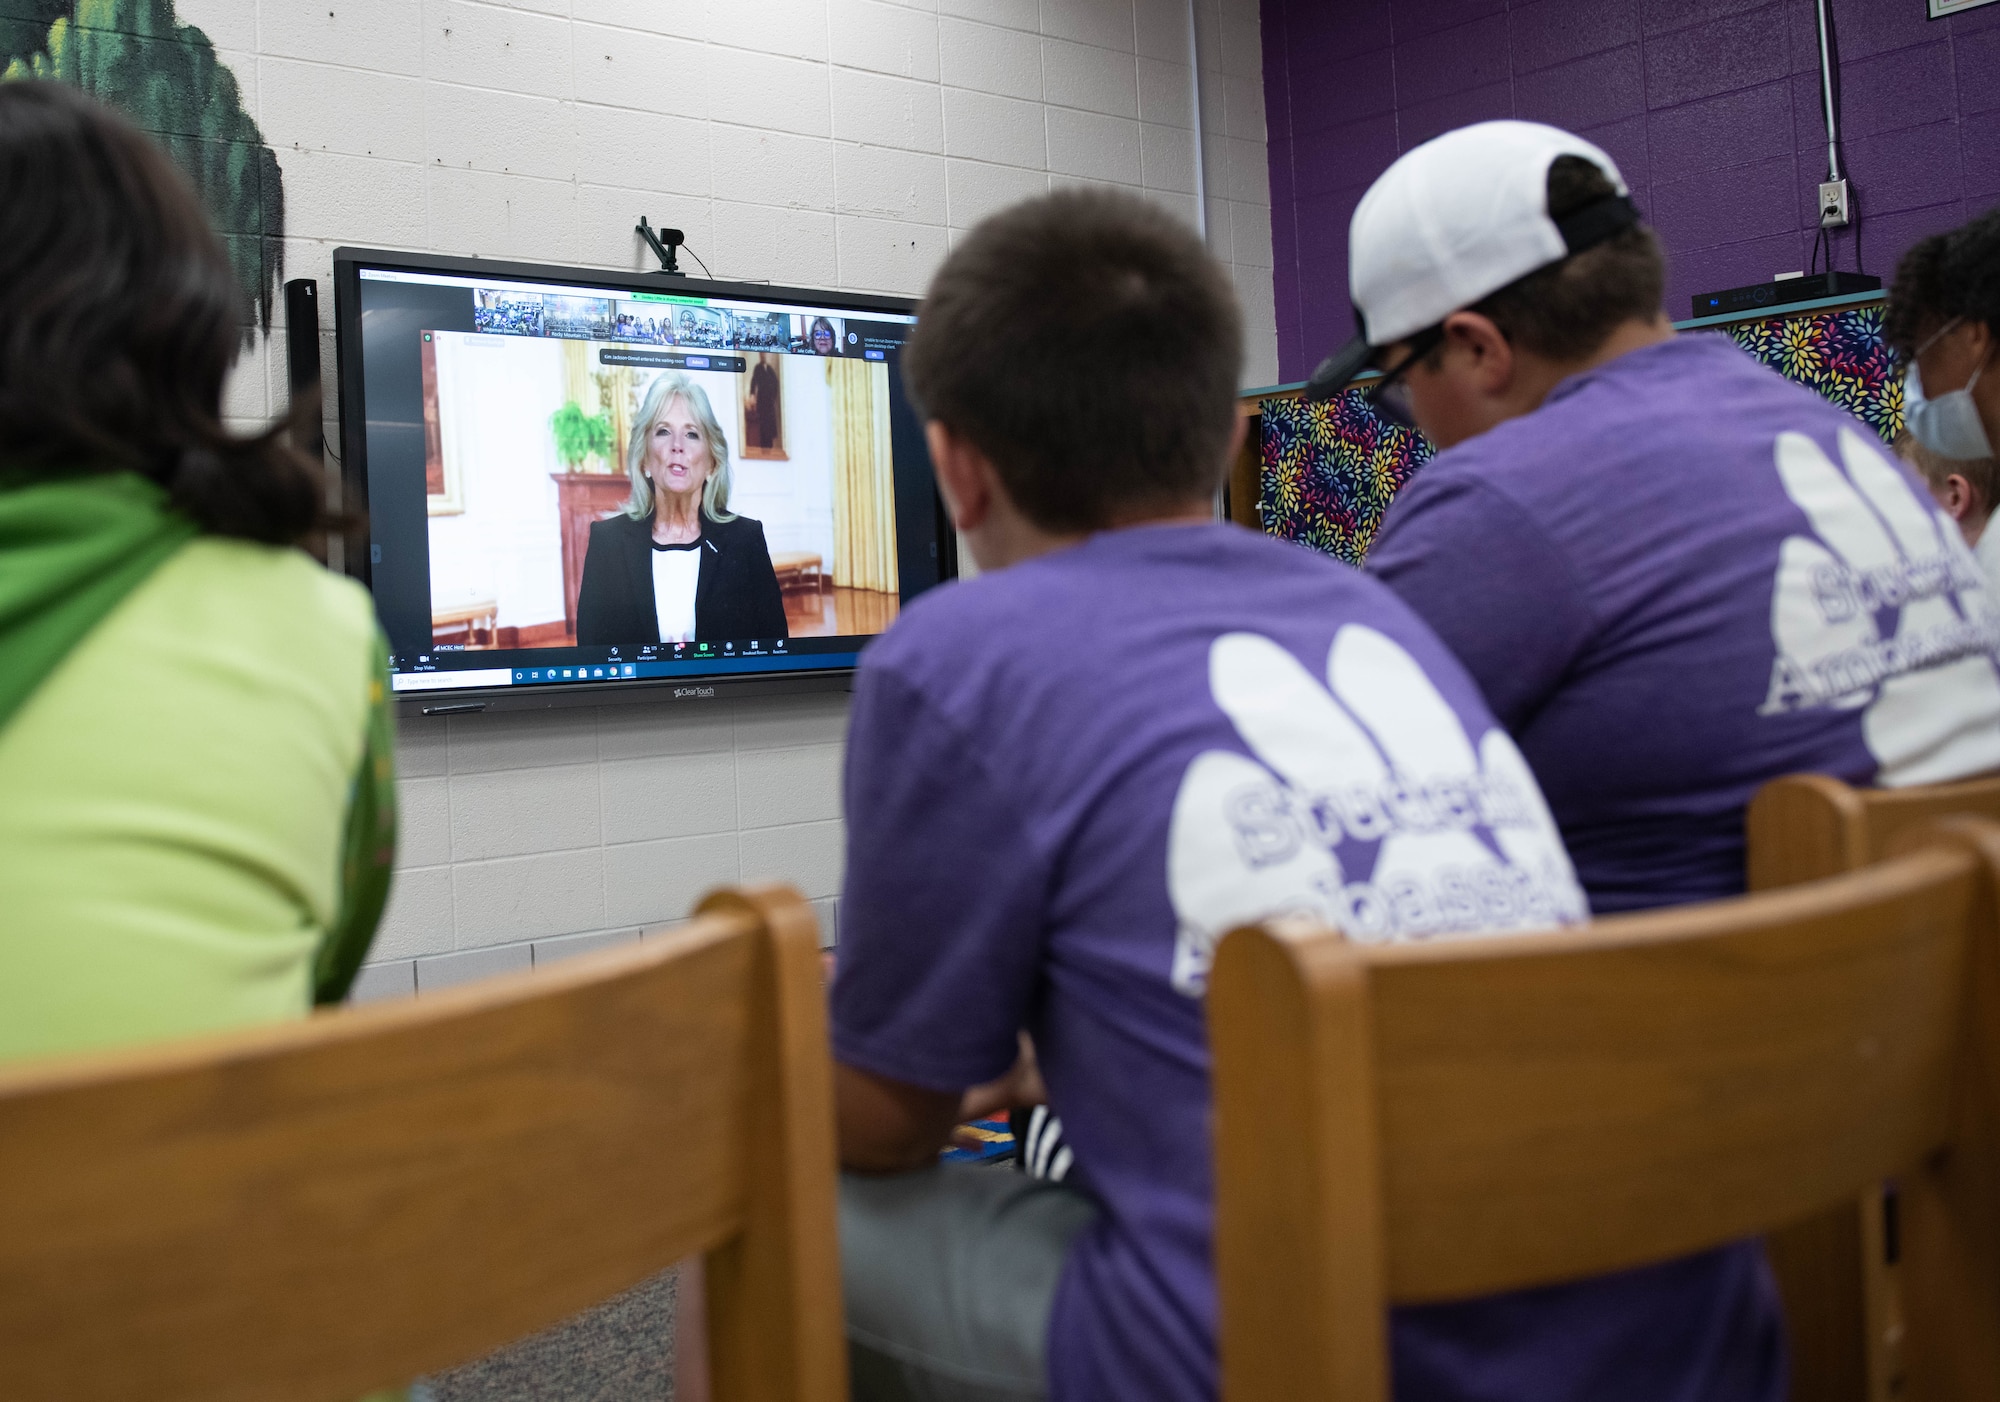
pixel 1457 219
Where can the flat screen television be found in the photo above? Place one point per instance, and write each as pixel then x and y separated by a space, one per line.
pixel 583 486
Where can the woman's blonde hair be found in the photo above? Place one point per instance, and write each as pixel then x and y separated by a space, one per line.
pixel 715 491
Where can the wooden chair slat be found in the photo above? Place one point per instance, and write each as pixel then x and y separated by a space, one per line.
pixel 321 1208
pixel 1406 1124
pixel 1843 1312
pixel 1580 1096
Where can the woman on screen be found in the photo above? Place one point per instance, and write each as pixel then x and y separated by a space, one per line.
pixel 196 755
pixel 676 565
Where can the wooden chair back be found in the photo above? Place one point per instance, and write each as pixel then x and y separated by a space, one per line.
pixel 319 1209
pixel 1417 1123
pixel 1805 827
pixel 1843 1299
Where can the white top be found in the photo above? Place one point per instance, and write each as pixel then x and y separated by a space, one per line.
pixel 676 572
pixel 1988 552
pixel 1456 218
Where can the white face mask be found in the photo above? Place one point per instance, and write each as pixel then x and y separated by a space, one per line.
pixel 1948 425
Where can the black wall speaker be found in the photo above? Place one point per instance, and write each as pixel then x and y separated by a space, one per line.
pixel 302 353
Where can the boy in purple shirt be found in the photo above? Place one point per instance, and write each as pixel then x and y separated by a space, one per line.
pixel 1068 777
pixel 1674 575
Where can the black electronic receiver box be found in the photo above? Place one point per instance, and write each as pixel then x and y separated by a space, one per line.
pixel 1759 295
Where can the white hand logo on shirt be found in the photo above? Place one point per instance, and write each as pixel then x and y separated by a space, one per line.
pixel 1887 609
pixel 1379 760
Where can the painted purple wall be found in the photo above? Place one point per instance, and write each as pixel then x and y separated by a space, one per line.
pixel 1710 107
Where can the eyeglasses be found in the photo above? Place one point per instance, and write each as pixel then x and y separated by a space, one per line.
pixel 1390 395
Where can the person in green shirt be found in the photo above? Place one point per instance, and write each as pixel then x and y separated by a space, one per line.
pixel 196 762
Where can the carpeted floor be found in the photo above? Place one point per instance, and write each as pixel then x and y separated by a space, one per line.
pixel 622 1351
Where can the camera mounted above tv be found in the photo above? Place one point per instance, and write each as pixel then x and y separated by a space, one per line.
pixel 665 244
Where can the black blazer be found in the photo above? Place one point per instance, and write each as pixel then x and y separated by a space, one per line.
pixel 736 595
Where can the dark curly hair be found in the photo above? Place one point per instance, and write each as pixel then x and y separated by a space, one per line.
pixel 119 320
pixel 1955 274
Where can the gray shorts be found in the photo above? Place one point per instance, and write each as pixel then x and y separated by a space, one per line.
pixel 950 1274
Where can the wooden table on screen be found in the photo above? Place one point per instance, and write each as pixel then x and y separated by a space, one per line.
pixel 475 616
pixel 801 569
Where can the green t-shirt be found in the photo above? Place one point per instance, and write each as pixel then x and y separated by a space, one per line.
pixel 196 813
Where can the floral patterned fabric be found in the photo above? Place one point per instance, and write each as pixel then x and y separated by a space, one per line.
pixel 1330 470
pixel 1840 354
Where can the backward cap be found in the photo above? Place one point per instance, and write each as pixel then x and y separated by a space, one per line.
pixel 1457 219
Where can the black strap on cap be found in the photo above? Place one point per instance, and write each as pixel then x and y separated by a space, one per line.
pixel 1585 228
pixel 1597 221
pixel 1338 370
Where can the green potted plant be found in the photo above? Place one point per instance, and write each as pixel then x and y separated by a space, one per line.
pixel 580 435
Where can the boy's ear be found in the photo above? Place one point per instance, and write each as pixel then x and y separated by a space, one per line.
pixel 1974 501
pixel 1236 436
pixel 1958 498
pixel 1491 353
pixel 965 478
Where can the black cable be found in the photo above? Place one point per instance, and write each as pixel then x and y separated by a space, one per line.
pixel 697 258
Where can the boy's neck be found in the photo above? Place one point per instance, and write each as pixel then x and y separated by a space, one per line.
pixel 1006 537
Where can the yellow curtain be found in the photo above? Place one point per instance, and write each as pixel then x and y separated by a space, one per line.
pixel 577 388
pixel 864 482
pixel 615 397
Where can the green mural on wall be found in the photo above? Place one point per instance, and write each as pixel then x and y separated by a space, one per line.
pixel 137 56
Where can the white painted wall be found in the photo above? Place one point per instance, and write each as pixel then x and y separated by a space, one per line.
pixel 842 143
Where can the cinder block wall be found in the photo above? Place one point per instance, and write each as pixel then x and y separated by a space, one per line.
pixel 841 143
pixel 527 837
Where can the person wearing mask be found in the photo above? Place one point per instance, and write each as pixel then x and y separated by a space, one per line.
pixel 1674 576
pixel 1944 321
pixel 196 788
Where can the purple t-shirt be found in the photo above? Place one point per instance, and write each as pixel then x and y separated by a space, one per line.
pixel 1684 576
pixel 1065 780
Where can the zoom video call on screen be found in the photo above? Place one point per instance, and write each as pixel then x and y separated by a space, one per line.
pixel 570 483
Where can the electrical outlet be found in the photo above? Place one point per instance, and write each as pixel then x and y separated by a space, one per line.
pixel 1835 209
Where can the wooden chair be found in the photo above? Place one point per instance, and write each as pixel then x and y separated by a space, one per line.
pixel 1414 1123
pixel 1842 1304
pixel 317 1209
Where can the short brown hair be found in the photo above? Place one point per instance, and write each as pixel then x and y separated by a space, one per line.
pixel 1982 474
pixel 1089 346
pixel 1568 309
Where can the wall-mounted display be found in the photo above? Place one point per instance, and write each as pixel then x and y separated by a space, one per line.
pixel 586 482
pixel 1941 8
